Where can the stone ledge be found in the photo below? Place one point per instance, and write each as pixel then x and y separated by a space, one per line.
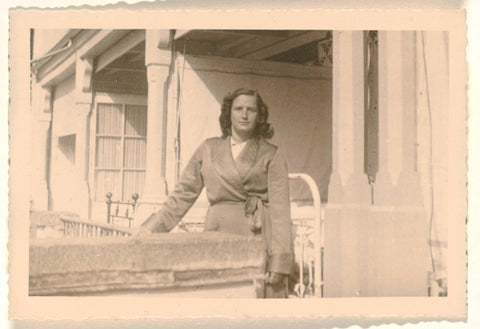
pixel 77 266
pixel 98 282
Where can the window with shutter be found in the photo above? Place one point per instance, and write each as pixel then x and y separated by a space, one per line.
pixel 121 137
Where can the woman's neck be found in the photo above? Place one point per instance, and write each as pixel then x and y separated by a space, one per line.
pixel 238 138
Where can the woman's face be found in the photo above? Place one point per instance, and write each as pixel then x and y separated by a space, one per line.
pixel 244 115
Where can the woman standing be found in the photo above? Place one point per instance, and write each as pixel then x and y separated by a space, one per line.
pixel 246 180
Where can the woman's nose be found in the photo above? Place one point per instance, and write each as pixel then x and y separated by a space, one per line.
pixel 244 113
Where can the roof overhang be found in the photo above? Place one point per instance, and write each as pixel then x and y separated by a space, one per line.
pixel 102 45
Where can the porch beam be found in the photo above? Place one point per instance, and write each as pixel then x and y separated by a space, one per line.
pixel 282 46
pixel 242 66
pixel 180 33
pixel 60 44
pixel 231 44
pixel 128 42
pixel 90 45
pixel 100 42
pixel 62 65
pixel 61 72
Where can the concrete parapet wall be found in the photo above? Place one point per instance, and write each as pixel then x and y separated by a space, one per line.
pixel 162 261
pixel 47 224
pixel 375 251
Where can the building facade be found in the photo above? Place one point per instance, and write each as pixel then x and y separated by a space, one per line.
pixel 365 113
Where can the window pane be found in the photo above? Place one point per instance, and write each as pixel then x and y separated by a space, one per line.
pixel 108 181
pixel 135 152
pixel 135 120
pixel 134 182
pixel 109 152
pixel 109 121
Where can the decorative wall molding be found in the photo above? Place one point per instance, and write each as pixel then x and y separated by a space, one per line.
pixel 83 79
pixel 325 54
pixel 46 93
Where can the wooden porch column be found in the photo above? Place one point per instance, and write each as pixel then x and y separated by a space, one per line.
pixel 157 61
pixel 397 181
pixel 348 182
pixel 84 99
pixel 42 107
pixel 349 194
pixel 374 250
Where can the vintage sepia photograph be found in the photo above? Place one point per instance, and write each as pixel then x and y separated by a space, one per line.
pixel 243 163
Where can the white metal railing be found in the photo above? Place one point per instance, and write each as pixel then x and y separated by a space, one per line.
pixel 311 232
pixel 82 228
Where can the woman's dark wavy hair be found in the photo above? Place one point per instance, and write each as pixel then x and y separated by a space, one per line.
pixel 263 128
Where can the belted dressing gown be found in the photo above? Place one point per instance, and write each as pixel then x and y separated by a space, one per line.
pixel 259 171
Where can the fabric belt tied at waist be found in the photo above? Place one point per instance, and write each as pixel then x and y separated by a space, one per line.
pixel 255 212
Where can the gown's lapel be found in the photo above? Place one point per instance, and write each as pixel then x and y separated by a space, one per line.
pixel 235 171
pixel 247 157
pixel 225 166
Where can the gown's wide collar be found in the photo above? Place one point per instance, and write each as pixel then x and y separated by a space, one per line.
pixel 247 157
pixel 235 170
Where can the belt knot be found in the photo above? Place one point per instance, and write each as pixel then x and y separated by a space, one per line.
pixel 255 212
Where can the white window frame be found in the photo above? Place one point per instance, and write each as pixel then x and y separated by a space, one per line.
pixel 107 98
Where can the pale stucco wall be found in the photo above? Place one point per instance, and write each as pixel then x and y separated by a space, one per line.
pixel 65 179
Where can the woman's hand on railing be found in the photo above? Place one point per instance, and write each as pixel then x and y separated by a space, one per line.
pixel 154 224
pixel 274 278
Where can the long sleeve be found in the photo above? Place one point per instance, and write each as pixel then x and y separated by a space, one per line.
pixel 280 259
pixel 182 197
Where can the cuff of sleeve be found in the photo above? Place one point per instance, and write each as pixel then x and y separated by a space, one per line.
pixel 280 263
pixel 154 223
